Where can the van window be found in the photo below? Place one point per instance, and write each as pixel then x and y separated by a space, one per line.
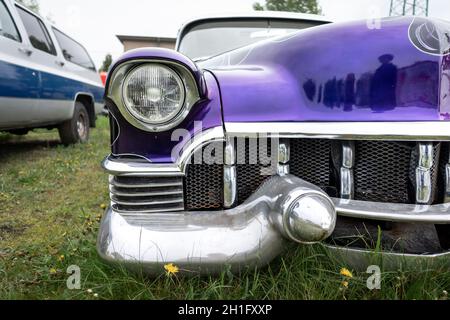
pixel 73 51
pixel 37 32
pixel 7 27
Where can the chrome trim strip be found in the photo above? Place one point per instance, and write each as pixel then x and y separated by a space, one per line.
pixel 283 157
pixel 229 186
pixel 447 178
pixel 284 151
pixel 146 185
pixel 229 152
pixel 142 213
pixel 346 172
pixel 199 140
pixel 360 259
pixel 113 191
pixel 396 131
pixel 146 203
pixel 423 173
pixel 435 214
pixel 229 175
pixel 141 169
pixel 118 167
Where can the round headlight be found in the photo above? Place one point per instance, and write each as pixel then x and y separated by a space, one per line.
pixel 153 93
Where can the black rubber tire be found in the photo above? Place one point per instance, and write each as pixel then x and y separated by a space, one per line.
pixel 70 132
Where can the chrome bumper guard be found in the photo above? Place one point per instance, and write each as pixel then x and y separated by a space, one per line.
pixel 251 235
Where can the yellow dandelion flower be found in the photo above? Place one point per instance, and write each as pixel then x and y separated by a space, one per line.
pixel 171 269
pixel 346 273
pixel 61 258
pixel 53 271
pixel 103 206
pixel 345 284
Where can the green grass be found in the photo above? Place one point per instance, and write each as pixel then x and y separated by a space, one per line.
pixel 51 201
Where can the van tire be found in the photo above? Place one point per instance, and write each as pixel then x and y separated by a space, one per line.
pixel 75 130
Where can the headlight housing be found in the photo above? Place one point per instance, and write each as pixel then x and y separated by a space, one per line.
pixel 153 95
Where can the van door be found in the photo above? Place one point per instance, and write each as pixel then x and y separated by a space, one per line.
pixel 56 98
pixel 19 84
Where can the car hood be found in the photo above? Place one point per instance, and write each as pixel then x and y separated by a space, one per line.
pixel 354 71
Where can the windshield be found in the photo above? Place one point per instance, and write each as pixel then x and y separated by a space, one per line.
pixel 212 38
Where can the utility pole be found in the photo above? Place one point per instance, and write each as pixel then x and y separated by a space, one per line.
pixel 409 7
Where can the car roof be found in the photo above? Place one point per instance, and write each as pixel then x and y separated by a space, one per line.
pixel 252 15
pixel 37 14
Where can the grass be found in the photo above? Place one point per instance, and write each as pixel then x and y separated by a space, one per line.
pixel 52 198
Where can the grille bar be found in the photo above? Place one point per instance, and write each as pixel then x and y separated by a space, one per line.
pixel 114 191
pixel 146 194
pixel 145 203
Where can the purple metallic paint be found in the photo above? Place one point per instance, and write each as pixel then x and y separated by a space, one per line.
pixel 160 54
pixel 157 147
pixel 336 72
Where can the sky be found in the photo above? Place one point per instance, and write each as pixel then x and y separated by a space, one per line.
pixel 95 23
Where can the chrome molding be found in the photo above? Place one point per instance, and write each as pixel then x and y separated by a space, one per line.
pixel 360 259
pixel 129 168
pixel 229 186
pixel 435 214
pixel 396 131
pixel 230 152
pixel 284 154
pixel 199 140
pixel 140 169
pixel 229 175
pixel 346 171
pixel 423 173
pixel 447 180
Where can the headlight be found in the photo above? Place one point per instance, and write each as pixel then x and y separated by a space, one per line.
pixel 154 93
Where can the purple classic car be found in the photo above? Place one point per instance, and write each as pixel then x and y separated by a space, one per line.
pixel 270 128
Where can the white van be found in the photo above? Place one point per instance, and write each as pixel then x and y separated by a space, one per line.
pixel 47 79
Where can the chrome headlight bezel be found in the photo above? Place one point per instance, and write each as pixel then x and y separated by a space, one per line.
pixel 116 91
pixel 125 88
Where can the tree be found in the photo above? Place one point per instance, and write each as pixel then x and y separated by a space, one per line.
pixel 106 63
pixel 33 5
pixel 303 6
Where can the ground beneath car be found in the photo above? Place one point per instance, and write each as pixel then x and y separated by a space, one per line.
pixel 52 198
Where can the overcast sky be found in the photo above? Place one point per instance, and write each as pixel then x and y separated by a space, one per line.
pixel 95 23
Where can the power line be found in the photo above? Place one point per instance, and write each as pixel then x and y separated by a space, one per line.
pixel 409 7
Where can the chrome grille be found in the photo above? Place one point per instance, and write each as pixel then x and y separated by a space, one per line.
pixel 310 160
pixel 434 170
pixel 382 171
pixel 445 159
pixel 204 186
pixel 204 181
pixel 250 170
pixel 146 194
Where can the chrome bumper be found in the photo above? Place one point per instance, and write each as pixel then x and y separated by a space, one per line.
pixel 249 236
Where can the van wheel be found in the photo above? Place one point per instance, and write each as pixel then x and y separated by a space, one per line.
pixel 76 129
